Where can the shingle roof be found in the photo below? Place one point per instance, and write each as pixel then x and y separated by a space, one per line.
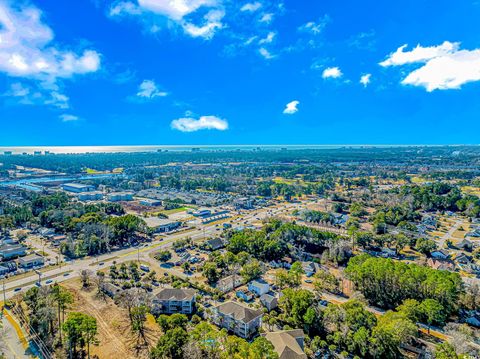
pixel 175 294
pixel 239 312
pixel 286 345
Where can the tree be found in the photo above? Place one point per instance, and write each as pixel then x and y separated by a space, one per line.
pixel 432 311
pixel 211 272
pixel 425 246
pixel 251 270
pixel 410 308
pixel 85 276
pixel 325 281
pixel 63 298
pixel 445 351
pixel 170 345
pixel 139 317
pixel 80 329
pixel 261 348
pixel 163 256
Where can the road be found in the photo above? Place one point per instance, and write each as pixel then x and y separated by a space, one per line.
pixel 448 235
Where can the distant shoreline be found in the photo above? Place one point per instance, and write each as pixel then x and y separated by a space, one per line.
pixel 176 148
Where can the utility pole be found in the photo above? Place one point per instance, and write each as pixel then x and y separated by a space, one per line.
pixel 4 297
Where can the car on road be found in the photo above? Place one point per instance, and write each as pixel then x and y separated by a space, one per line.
pixel 308 281
pixel 49 281
pixel 66 274
pixel 101 263
pixel 17 289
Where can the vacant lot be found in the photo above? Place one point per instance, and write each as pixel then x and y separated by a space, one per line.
pixel 115 337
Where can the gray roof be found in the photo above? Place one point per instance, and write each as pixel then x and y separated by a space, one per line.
pixel 175 294
pixel 239 312
pixel 286 344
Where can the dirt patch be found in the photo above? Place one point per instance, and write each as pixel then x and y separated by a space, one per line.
pixel 115 337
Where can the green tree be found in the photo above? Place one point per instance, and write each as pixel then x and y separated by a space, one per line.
pixel 432 312
pixel 170 345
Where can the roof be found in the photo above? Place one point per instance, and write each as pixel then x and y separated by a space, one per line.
pixel 31 258
pixel 268 298
pixel 175 294
pixel 77 185
pixel 215 243
pixel 286 344
pixel 239 312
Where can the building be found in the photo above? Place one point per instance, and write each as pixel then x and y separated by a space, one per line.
pixel 162 225
pixel 269 301
pixel 237 318
pixel 202 213
pixel 110 289
pixel 31 261
pixel 289 344
pixel 259 287
pixel 214 244
pixel 149 202
pixel 174 300
pixel 90 196
pixel 243 203
pixel 9 251
pixel 440 254
pixel 441 264
pixel 229 283
pixel 77 187
pixel 245 295
pixel 119 196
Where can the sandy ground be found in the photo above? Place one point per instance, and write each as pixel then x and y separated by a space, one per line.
pixel 115 337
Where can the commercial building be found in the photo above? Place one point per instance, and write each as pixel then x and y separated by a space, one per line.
pixel 90 196
pixel 150 202
pixel 119 196
pixel 237 318
pixel 31 261
pixel 77 187
pixel 9 251
pixel 162 225
pixel 174 300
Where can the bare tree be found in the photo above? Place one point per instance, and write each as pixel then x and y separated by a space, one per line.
pixel 86 276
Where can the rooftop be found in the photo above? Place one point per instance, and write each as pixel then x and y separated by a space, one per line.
pixel 239 311
pixel 176 294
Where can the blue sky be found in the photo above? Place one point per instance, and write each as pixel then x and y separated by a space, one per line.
pixel 101 72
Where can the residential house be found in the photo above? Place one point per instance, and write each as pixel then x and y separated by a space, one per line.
pixel 174 300
pixel 214 244
pixel 245 295
pixel 310 268
pixel 466 245
pixel 229 283
pixel 269 301
pixel 441 264
pixel 440 254
pixel 237 318
pixel 259 287
pixel 289 344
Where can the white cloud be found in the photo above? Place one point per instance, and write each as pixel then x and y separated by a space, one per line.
pixel 269 38
pixel 265 53
pixel 267 18
pixel 148 89
pixel 315 27
pixel 442 67
pixel 27 51
pixel 252 7
pixel 291 107
pixel 189 124
pixel 68 118
pixel 332 72
pixel 365 79
pixel 178 11
pixel 419 54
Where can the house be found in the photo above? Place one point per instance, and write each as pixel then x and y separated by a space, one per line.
pixel 229 283
pixel 237 318
pixel 9 251
pixel 440 254
pixel 289 344
pixel 214 244
pixel 465 245
pixel 339 218
pixel 4 270
pixel 441 264
pixel 245 295
pixel 46 232
pixel 259 287
pixel 269 301
pixel 309 268
pixel 77 187
pixel 473 321
pixel 463 258
pixel 243 203
pixel 174 300
pixel 31 261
